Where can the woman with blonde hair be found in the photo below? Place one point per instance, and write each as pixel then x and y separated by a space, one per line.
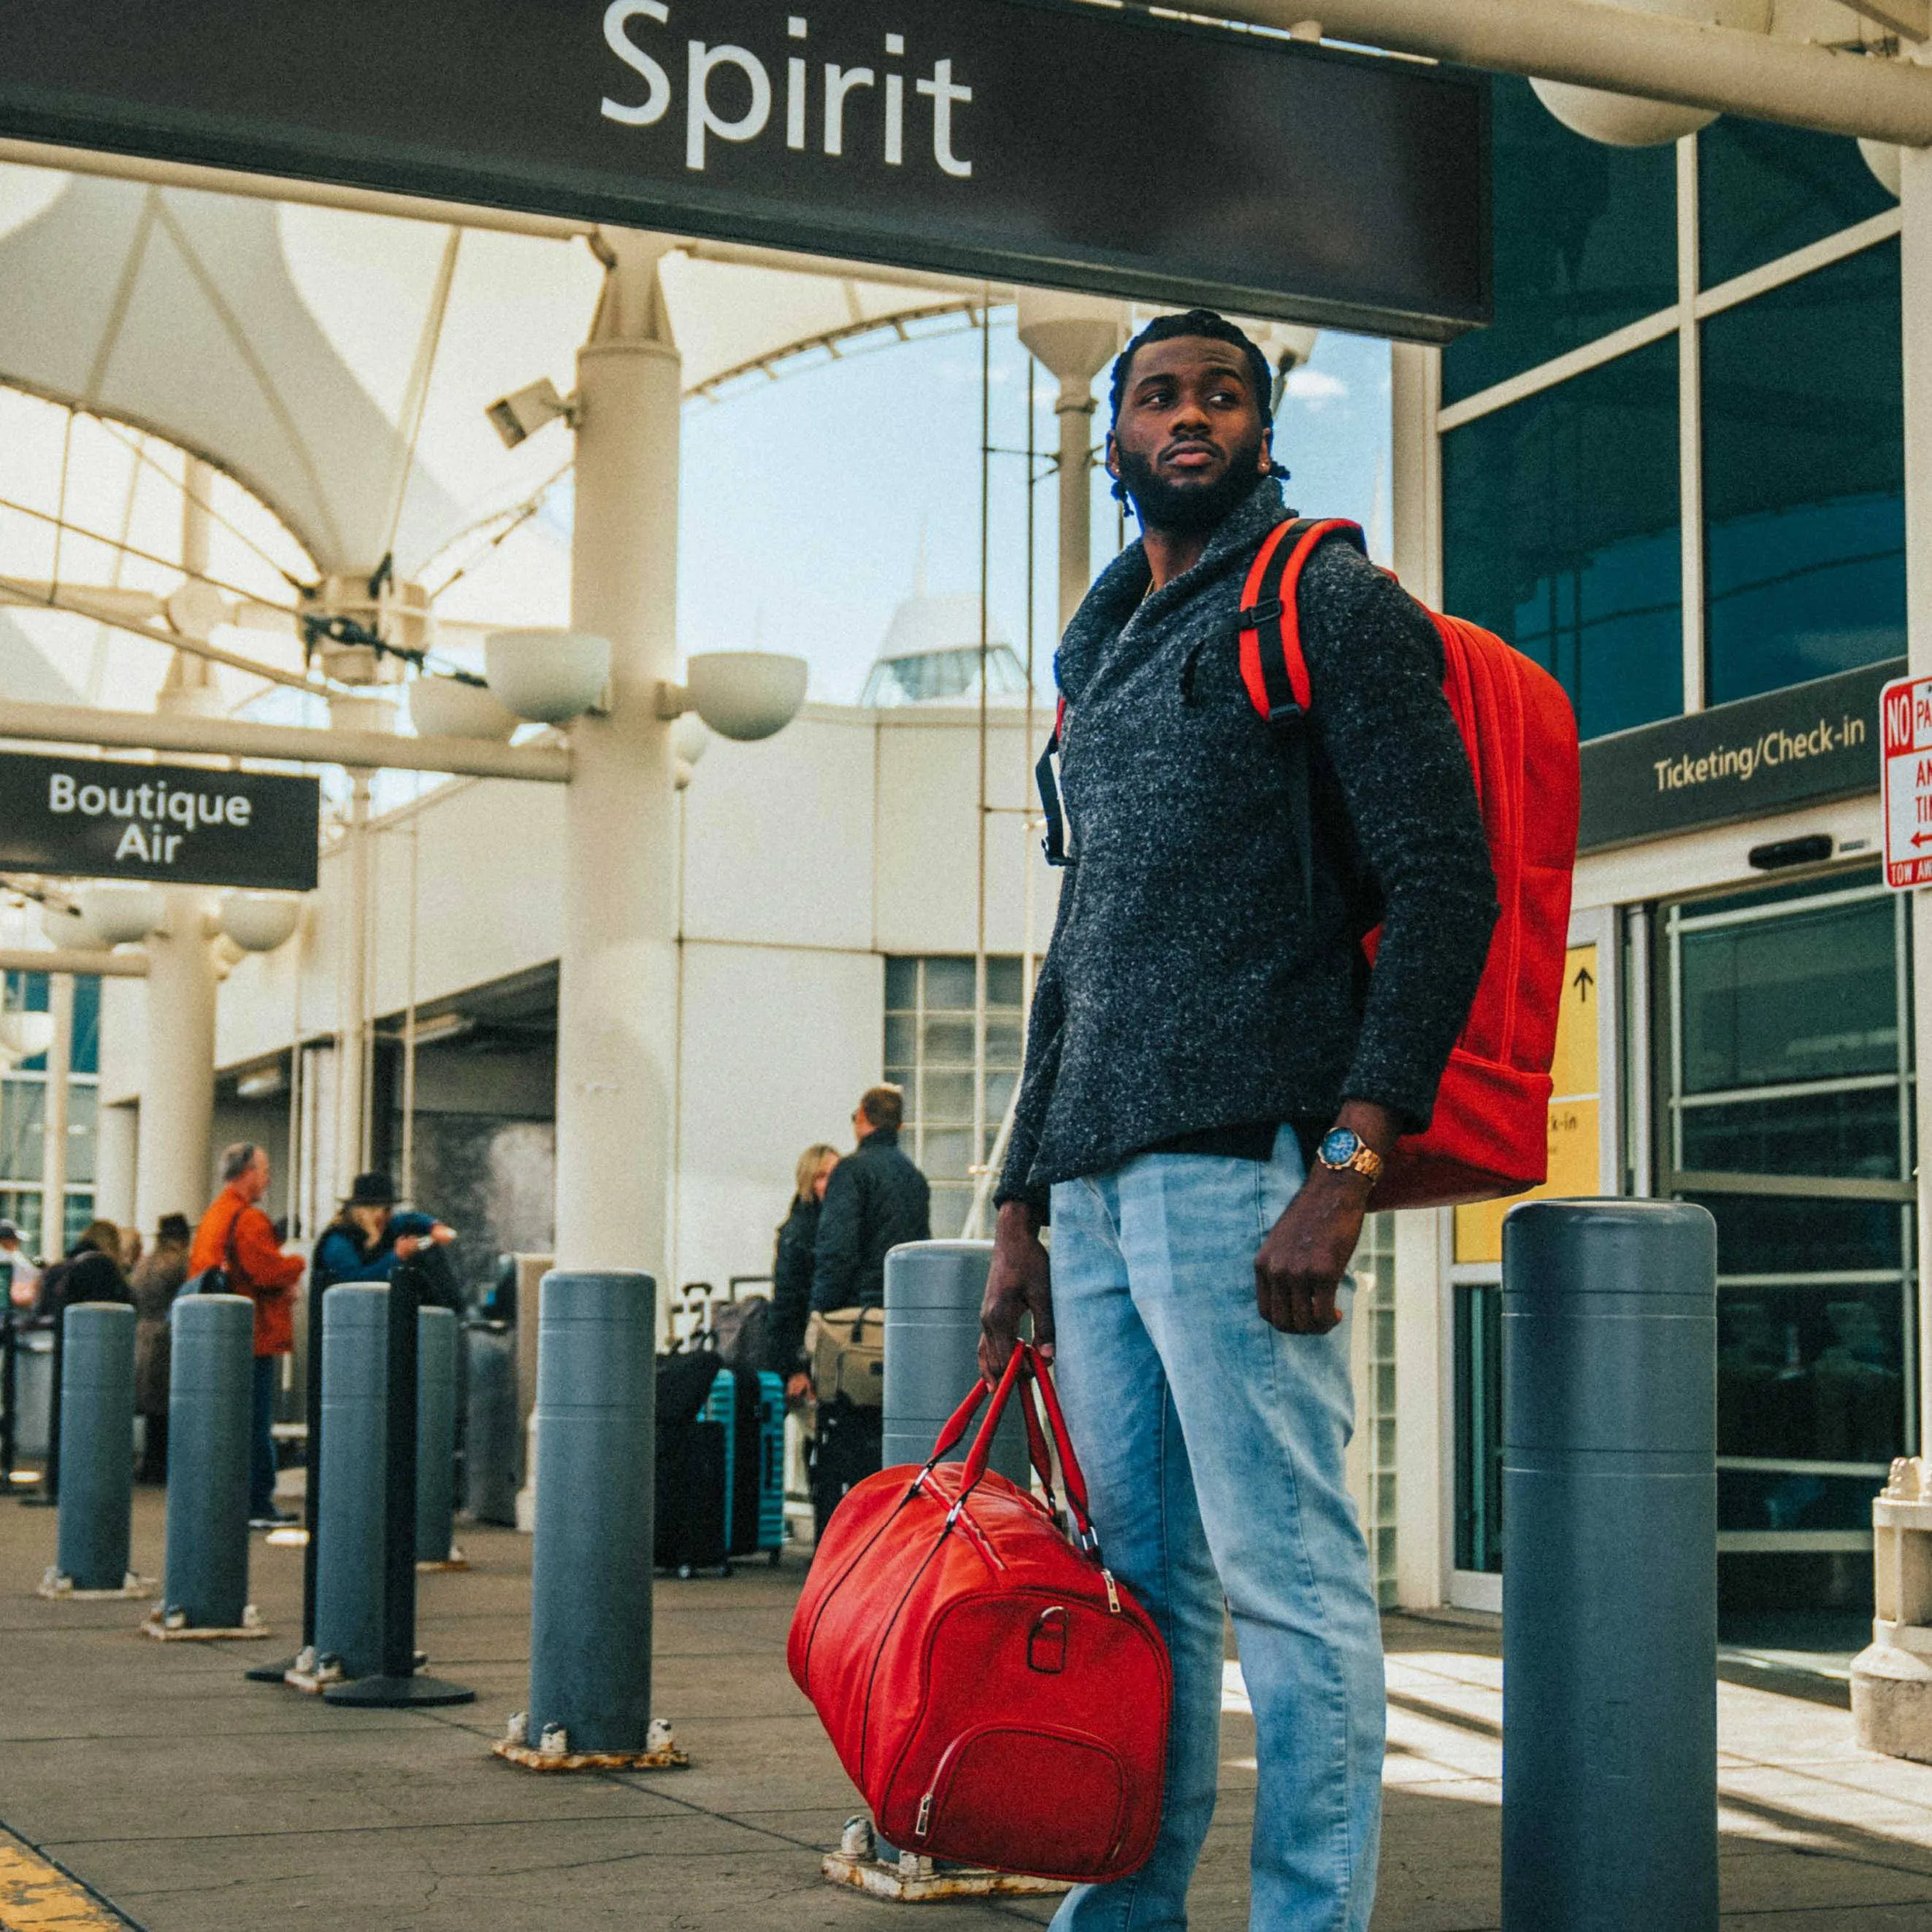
pixel 791 1266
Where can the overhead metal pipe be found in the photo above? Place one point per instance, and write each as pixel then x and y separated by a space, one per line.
pixel 1656 56
pixel 239 738
pixel 129 964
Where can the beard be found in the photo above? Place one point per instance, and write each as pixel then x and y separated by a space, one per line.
pixel 1189 509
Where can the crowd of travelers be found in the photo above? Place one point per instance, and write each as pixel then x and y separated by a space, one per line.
pixel 234 1249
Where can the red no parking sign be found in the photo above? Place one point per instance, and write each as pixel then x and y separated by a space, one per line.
pixel 1905 714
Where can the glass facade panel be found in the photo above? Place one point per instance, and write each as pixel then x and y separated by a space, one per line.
pixel 1845 1133
pixel 1807 996
pixel 928 1040
pixel 1561 534
pixel 1763 191
pixel 1814 1374
pixel 1479 1428
pixel 1780 1235
pixel 1805 479
pixel 1585 241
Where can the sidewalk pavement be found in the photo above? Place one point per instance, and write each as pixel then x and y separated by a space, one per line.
pixel 197 1802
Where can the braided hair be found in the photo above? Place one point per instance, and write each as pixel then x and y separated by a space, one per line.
pixel 1217 329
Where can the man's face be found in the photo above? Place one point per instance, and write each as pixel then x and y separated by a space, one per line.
pixel 1189 444
pixel 257 1175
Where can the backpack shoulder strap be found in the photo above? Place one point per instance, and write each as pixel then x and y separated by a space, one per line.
pixel 1054 843
pixel 1273 667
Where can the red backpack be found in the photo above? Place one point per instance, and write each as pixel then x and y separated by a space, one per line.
pixel 1489 1134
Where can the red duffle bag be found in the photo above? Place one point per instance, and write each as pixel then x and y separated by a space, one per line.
pixel 997 1695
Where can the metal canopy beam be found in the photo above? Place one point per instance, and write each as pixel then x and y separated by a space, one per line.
pixel 1655 55
pixel 130 963
pixel 239 738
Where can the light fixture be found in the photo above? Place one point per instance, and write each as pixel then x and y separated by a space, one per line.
pixel 116 915
pixel 548 676
pixel 452 707
pixel 24 1036
pixel 524 411
pixel 443 1026
pixel 744 695
pixel 259 922
pixel 1628 120
pixel 261 1083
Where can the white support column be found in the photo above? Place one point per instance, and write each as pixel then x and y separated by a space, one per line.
pixel 54 1117
pixel 1074 337
pixel 115 1132
pixel 616 1020
pixel 172 1174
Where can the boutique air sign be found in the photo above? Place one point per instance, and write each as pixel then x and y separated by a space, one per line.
pixel 94 818
pixel 1074 144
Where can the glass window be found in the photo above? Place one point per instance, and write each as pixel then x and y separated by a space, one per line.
pixel 1586 241
pixel 1805 479
pixel 929 1039
pixel 1781 1235
pixel 1560 533
pixel 1479 1428
pixel 86 1057
pixel 21 1104
pixel 1763 191
pixel 1853 1134
pixel 1804 996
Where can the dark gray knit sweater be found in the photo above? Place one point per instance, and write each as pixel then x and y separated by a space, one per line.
pixel 1187 987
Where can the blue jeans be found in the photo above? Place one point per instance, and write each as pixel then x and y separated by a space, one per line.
pixel 262 1438
pixel 1213 1445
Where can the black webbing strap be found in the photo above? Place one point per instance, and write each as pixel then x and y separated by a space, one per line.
pixel 1054 843
pixel 1267 616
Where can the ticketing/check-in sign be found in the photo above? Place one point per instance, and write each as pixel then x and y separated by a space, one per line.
pixel 1905 719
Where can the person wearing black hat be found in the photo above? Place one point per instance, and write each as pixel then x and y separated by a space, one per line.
pixel 368 1238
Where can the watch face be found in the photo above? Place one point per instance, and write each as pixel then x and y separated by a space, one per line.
pixel 1338 1147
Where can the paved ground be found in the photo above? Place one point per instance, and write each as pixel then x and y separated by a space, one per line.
pixel 197 1802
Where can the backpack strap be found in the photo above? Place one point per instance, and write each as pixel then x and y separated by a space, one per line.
pixel 1055 843
pixel 1274 670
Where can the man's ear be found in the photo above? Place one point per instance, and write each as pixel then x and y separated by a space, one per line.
pixel 1113 456
pixel 1267 450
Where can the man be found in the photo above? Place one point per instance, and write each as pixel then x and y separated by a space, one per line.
pixel 1213 1078
pixel 236 1235
pixel 17 1270
pixel 875 1199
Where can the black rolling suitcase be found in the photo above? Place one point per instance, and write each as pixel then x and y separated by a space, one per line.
pixel 845 1451
pixel 688 1534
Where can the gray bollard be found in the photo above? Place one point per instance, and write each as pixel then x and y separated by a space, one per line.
pixel 1610 1575
pixel 97 1420
pixel 490 1431
pixel 349 1576
pixel 34 1391
pixel 933 1292
pixel 436 1339
pixel 590 1617
pixel 209 1394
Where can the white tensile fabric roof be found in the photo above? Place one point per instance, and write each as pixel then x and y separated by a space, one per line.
pixel 296 347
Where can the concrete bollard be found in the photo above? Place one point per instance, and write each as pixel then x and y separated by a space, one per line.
pixel 436 1339
pixel 933 1293
pixel 349 1576
pixel 1609 1571
pixel 590 1620
pixel 96 1434
pixel 490 1434
pixel 206 1577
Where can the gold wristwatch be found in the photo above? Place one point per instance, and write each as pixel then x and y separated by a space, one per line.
pixel 1343 1148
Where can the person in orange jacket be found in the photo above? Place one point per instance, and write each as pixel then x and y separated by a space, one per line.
pixel 237 1236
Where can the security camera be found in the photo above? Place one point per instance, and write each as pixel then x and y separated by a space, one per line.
pixel 525 411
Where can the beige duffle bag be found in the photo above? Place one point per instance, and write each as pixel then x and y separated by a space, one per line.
pixel 847 1348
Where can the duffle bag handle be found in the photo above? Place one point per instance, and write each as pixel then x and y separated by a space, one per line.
pixel 1027 1361
pixel 954 1431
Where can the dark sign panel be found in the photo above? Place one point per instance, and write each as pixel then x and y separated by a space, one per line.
pixel 1072 145
pixel 92 818
pixel 1797 746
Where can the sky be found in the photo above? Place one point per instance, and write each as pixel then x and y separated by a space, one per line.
pixel 806 502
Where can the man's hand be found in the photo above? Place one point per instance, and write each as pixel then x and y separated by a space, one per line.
pixel 406 1245
pixel 1018 1284
pixel 798 1389
pixel 1299 1268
